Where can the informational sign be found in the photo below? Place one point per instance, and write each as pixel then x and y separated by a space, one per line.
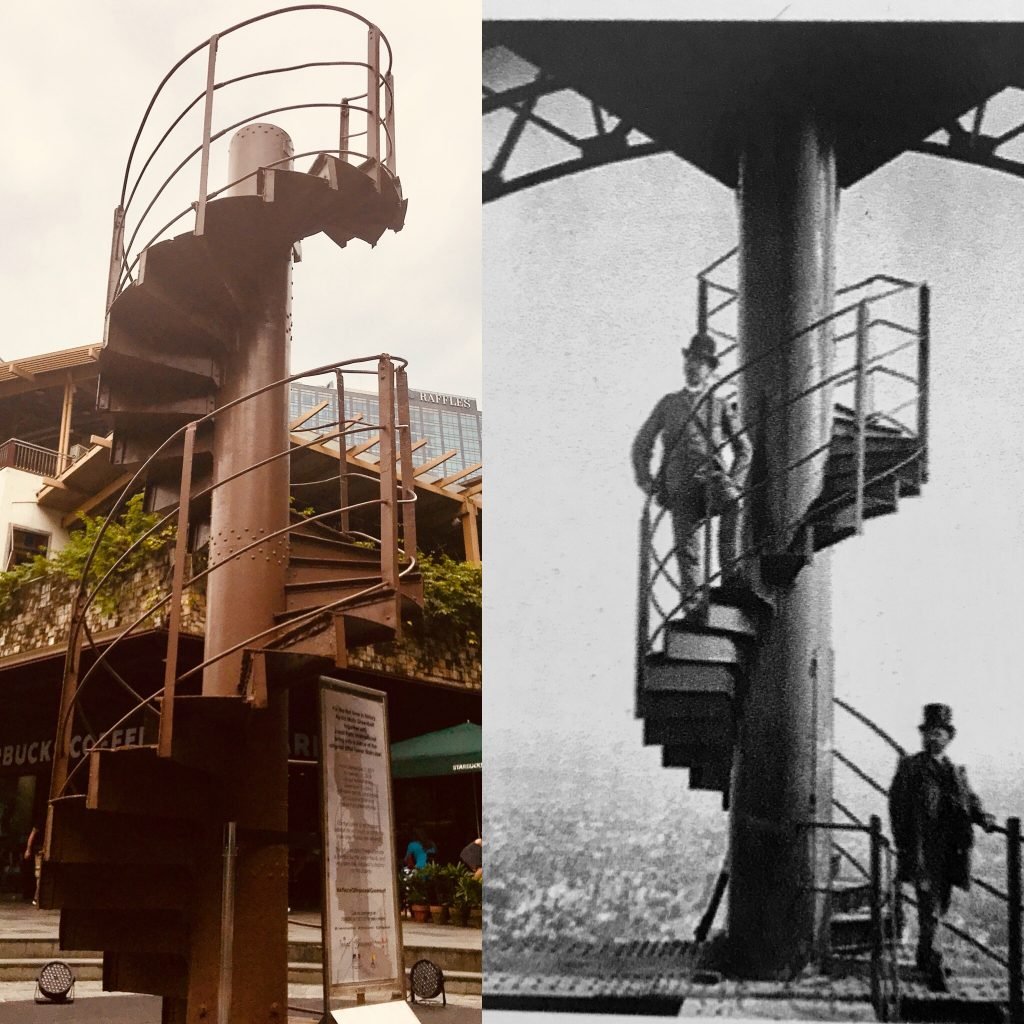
pixel 361 934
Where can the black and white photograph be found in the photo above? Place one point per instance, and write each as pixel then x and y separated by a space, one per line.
pixel 752 326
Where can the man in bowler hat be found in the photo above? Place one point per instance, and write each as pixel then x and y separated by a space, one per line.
pixel 696 427
pixel 933 811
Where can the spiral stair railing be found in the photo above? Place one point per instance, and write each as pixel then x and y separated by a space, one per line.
pixel 196 334
pixel 860 372
pixel 398 571
pixel 1009 963
pixel 870 457
pixel 371 99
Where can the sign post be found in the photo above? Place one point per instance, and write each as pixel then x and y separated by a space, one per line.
pixel 362 939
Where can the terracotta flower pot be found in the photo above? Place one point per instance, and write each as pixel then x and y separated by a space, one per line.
pixel 438 914
pixel 420 912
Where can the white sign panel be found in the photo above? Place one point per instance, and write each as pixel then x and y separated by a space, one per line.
pixel 362 938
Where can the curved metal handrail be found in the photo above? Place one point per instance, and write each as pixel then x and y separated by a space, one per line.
pixel 85 596
pixel 868 364
pixel 379 111
pixel 220 35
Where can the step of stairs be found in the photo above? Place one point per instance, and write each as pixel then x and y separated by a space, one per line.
pixel 174 322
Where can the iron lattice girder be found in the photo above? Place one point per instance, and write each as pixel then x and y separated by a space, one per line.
pixel 974 146
pixel 698 89
pixel 609 143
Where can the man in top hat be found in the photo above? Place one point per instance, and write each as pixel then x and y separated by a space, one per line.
pixel 933 810
pixel 696 427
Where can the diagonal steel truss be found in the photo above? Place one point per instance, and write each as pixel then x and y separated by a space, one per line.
pixel 972 145
pixel 612 139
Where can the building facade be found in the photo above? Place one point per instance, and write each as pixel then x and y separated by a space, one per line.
pixel 447 423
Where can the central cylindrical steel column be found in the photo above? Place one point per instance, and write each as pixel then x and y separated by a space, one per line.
pixel 787 212
pixel 243 595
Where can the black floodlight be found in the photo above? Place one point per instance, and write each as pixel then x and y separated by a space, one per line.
pixel 426 980
pixel 55 984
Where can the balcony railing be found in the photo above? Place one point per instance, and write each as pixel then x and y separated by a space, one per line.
pixel 31 458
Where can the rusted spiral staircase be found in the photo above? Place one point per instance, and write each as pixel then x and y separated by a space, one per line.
pixel 133 842
pixel 692 648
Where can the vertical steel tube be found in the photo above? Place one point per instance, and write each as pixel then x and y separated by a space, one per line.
pixel 388 489
pixel 345 133
pixel 244 593
pixel 860 415
pixel 924 330
pixel 876 914
pixel 227 925
pixel 343 481
pixel 408 490
pixel 116 258
pixel 1013 892
pixel 164 742
pixel 204 162
pixel 787 212
pixel 373 101
pixel 702 305
pixel 391 162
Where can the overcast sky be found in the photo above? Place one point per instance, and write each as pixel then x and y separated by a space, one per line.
pixel 589 291
pixel 76 78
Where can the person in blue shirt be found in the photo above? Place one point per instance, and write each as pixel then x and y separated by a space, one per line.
pixel 418 853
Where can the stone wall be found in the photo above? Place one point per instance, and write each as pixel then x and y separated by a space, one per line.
pixel 39 613
pixel 430 661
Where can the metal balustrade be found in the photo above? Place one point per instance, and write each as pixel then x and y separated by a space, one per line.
pixel 32 458
pixel 883 390
pixel 366 89
pixel 1012 961
pixel 396 545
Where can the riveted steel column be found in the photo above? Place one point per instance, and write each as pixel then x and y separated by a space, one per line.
pixel 787 207
pixel 243 596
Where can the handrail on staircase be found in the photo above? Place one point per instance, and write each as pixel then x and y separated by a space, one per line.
pixel 377 90
pixel 394 449
pixel 1012 898
pixel 884 972
pixel 864 369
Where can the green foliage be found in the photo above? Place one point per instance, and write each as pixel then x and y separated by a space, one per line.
pixel 415 887
pixel 69 563
pixel 440 882
pixel 470 891
pixel 452 599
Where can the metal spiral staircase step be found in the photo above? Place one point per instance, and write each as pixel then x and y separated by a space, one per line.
pixel 115 886
pixel 174 322
pixel 79 835
pixel 303 596
pixel 134 930
pixel 135 780
pixel 687 691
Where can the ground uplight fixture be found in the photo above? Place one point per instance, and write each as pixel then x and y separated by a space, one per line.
pixel 426 980
pixel 55 984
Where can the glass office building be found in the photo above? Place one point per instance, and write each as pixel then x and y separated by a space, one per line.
pixel 445 421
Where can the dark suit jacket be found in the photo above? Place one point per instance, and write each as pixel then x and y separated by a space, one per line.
pixel 692 446
pixel 955 836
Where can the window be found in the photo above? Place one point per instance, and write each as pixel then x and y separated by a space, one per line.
pixel 25 545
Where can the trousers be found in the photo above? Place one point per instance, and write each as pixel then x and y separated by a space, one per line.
pixel 715 494
pixel 933 898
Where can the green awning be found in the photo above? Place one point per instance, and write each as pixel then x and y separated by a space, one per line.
pixel 445 752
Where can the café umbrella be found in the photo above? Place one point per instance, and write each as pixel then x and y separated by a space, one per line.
pixel 453 751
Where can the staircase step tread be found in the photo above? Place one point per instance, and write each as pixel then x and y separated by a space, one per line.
pixel 348 581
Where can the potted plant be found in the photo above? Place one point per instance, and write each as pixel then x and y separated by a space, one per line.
pixel 463 898
pixel 416 894
pixel 451 875
pixel 475 891
pixel 431 875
